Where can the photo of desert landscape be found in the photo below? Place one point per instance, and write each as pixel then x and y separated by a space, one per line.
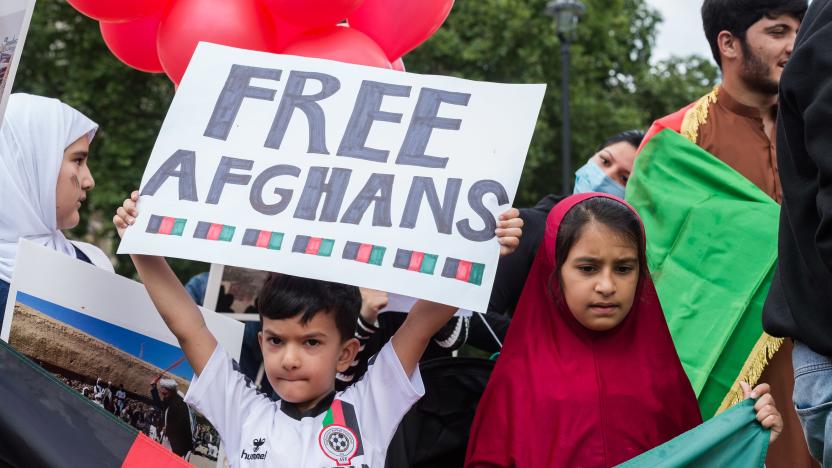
pixel 110 365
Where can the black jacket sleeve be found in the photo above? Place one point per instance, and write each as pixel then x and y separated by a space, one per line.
pixel 798 302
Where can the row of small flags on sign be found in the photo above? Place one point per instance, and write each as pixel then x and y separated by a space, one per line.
pixel 463 270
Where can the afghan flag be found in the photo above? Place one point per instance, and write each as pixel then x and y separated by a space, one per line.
pixel 364 253
pixel 166 225
pixel 415 261
pixel 214 231
pixel 463 270
pixel 43 422
pixel 313 246
pixel 712 248
pixel 263 239
pixel 734 439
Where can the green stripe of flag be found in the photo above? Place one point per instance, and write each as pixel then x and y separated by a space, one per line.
pixel 428 263
pixel 712 247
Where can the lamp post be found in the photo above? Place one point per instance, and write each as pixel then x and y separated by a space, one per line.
pixel 566 14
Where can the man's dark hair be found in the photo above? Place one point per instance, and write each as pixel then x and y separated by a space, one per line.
pixel 633 137
pixel 736 16
pixel 286 296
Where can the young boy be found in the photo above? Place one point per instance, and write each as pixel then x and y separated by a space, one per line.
pixel 308 336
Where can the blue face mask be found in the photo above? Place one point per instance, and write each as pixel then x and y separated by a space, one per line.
pixel 590 178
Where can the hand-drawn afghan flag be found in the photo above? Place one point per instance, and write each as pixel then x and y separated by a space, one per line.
pixel 166 225
pixel 734 439
pixel 415 261
pixel 463 270
pixel 711 248
pixel 313 246
pixel 364 253
pixel 214 231
pixel 43 422
pixel 263 239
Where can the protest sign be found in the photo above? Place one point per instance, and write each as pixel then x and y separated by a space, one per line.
pixel 345 173
pixel 89 327
pixel 15 16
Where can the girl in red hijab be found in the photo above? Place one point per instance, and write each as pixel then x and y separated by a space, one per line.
pixel 588 375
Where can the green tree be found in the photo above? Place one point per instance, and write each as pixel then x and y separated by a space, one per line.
pixel 513 41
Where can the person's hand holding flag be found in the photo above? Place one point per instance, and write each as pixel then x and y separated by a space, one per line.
pixel 767 413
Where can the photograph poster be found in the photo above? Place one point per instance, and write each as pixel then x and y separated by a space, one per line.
pixel 233 290
pixel 15 16
pixel 100 334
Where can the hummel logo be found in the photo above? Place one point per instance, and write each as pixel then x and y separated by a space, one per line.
pixel 257 443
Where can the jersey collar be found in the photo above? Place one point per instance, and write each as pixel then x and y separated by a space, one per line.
pixel 292 410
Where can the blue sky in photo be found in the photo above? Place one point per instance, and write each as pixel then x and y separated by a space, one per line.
pixel 148 349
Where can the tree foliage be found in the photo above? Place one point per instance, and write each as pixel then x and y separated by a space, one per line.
pixel 614 87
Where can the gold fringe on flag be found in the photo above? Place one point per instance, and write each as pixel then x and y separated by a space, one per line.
pixel 753 368
pixel 698 115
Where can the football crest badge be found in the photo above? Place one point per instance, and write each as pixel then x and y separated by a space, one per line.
pixel 338 443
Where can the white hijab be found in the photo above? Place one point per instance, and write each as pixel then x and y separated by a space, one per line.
pixel 35 132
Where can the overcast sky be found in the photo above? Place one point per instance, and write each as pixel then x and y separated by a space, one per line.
pixel 681 31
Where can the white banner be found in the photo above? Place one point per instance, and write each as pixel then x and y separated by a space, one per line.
pixel 340 172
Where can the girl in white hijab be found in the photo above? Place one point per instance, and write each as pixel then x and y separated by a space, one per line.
pixel 44 178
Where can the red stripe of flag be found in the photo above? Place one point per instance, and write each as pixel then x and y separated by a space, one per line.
pixel 338 413
pixel 416 261
pixel 364 253
pixel 313 246
pixel 167 225
pixel 214 232
pixel 463 271
pixel 147 452
pixel 264 238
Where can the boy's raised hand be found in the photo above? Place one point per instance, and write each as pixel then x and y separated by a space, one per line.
pixel 509 229
pixel 173 303
pixel 767 413
pixel 126 213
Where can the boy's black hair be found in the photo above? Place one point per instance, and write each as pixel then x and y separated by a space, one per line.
pixel 633 137
pixel 736 16
pixel 286 296
pixel 613 214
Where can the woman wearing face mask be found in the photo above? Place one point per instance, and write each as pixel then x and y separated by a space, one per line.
pixel 44 179
pixel 606 171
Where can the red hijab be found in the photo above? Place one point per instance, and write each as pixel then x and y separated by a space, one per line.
pixel 564 395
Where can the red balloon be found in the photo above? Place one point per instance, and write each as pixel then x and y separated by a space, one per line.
pixel 339 43
pixel 399 26
pixel 118 10
pixel 134 42
pixel 314 13
pixel 246 24
pixel 398 65
pixel 286 33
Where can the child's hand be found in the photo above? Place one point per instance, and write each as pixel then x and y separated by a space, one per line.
pixel 767 413
pixel 372 301
pixel 126 214
pixel 509 229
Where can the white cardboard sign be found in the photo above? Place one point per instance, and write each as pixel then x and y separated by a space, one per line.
pixel 340 172
pixel 15 16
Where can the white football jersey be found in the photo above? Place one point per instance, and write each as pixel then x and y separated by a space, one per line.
pixel 351 428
